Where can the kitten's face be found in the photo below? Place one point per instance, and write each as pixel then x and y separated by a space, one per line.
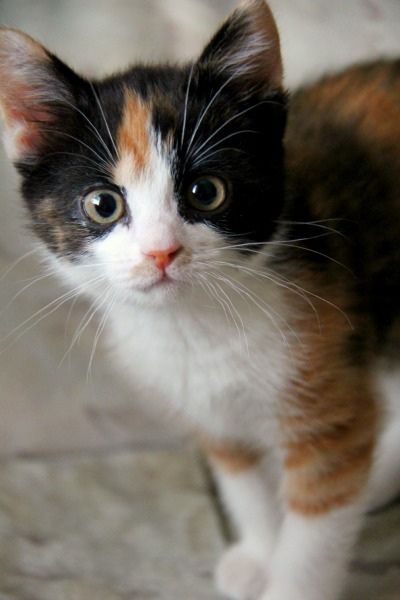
pixel 140 183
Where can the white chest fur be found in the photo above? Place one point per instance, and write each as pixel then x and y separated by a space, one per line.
pixel 226 377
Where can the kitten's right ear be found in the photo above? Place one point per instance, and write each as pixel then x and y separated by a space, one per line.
pixel 247 47
pixel 33 87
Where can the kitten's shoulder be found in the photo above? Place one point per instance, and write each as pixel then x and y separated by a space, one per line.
pixel 343 166
pixel 362 101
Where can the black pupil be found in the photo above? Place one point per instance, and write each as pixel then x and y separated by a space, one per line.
pixel 205 192
pixel 105 205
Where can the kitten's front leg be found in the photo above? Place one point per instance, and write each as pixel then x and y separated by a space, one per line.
pixel 248 488
pixel 312 555
pixel 326 477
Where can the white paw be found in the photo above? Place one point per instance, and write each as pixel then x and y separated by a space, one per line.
pixel 241 573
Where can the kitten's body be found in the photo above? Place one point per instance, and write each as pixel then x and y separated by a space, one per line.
pixel 214 362
pixel 268 315
pixel 341 235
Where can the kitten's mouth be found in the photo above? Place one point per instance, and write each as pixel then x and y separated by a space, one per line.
pixel 164 280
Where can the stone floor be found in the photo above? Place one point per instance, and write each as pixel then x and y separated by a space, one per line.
pixel 139 525
pixel 127 526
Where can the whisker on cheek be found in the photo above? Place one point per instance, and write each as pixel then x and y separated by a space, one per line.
pixel 46 311
pixel 110 295
pixel 20 259
pixel 87 318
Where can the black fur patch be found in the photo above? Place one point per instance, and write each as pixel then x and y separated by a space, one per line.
pixel 343 179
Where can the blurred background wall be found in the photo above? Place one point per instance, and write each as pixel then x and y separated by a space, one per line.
pixel 47 401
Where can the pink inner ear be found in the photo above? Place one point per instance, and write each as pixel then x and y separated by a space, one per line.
pixel 25 123
pixel 26 141
pixel 27 82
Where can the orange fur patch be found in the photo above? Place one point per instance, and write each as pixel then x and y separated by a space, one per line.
pixel 47 213
pixel 133 139
pixel 331 419
pixel 232 458
pixel 368 98
pixel 318 506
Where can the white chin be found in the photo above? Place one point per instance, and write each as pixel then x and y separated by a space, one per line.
pixel 160 293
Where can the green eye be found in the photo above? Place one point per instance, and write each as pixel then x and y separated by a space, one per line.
pixel 104 206
pixel 206 193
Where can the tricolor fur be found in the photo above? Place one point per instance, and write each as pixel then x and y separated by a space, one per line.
pixel 267 321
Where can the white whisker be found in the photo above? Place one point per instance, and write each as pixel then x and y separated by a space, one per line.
pixel 83 324
pixel 312 251
pixel 32 282
pixel 53 305
pixel 92 126
pixel 240 289
pixel 69 315
pixel 227 137
pixel 105 120
pixel 9 269
pixel 103 159
pixel 95 164
pixel 226 304
pixel 100 328
pixel 236 116
pixel 274 278
pixel 205 111
pixel 186 104
pixel 318 224
pixel 196 163
pixel 237 313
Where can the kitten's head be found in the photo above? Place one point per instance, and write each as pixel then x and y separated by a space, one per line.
pixel 145 179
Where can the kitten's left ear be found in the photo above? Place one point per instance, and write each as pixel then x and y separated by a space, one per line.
pixel 247 45
pixel 34 92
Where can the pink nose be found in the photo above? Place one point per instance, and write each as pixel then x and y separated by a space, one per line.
pixel 163 258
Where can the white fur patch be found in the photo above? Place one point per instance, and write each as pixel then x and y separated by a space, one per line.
pixel 251 498
pixel 241 573
pixel 311 556
pixel 212 342
pixel 385 477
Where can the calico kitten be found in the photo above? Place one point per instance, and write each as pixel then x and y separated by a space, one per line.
pixel 250 278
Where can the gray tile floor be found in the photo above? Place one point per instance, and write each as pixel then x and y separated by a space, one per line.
pixel 139 525
pixel 128 526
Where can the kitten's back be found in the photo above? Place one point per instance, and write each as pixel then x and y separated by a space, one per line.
pixel 343 153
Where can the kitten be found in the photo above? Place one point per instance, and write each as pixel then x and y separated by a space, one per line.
pixel 250 277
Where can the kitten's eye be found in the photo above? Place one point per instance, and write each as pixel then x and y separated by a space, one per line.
pixel 206 193
pixel 104 206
